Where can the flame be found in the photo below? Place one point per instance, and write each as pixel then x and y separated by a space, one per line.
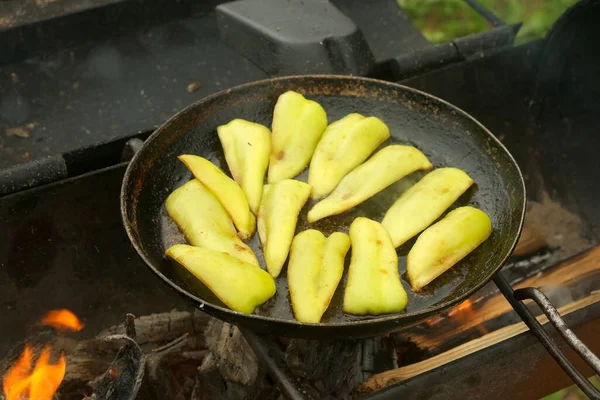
pixel 62 320
pixel 20 382
pixel 461 313
pixel 40 381
pixel 464 308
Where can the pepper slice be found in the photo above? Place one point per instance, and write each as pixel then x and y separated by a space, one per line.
pixel 277 218
pixel 445 243
pixel 314 271
pixel 424 202
pixel 387 166
pixel 204 221
pixel 247 146
pixel 226 190
pixel 374 285
pixel 238 284
pixel 345 144
pixel 298 124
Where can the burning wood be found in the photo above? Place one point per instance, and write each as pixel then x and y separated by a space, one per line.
pixel 183 355
pixel 111 365
pixel 577 276
pixel 391 377
pixel 39 380
pixel 40 383
pixel 461 314
pixel 123 379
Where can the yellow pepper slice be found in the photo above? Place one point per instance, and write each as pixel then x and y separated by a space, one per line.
pixel 445 243
pixel 277 218
pixel 424 202
pixel 226 190
pixel 204 221
pixel 298 124
pixel 238 284
pixel 314 271
pixel 387 166
pixel 345 144
pixel 247 147
pixel 374 285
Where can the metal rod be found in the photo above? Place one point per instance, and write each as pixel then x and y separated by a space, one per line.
pixel 273 360
pixel 485 13
pixel 556 320
pixel 538 330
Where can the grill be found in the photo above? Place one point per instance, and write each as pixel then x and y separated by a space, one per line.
pixel 75 107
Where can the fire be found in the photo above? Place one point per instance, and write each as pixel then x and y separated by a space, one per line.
pixel 40 381
pixel 20 382
pixel 461 313
pixel 62 320
pixel 464 308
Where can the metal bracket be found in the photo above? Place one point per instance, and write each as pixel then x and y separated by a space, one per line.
pixel 515 299
pixel 67 165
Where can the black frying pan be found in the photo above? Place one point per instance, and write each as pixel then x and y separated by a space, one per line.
pixel 447 135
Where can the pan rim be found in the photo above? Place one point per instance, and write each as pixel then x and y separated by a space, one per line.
pixel 292 323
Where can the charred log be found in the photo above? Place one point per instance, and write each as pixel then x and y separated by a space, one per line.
pixel 231 369
pixel 152 357
pixel 164 327
pixel 124 377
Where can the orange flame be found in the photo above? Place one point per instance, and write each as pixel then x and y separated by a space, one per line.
pixel 463 312
pixel 20 382
pixel 464 308
pixel 62 320
pixel 40 381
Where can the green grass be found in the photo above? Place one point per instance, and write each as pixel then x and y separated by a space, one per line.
pixel 573 392
pixel 444 20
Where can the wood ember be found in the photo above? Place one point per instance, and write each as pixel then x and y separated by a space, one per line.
pixel 383 380
pixel 184 356
pixel 191 356
pixel 124 377
pixel 172 344
pixel 90 358
pixel 577 276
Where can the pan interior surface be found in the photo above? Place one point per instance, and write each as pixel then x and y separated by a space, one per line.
pixel 446 135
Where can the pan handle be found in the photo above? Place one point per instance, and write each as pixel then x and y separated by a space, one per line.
pixel 516 297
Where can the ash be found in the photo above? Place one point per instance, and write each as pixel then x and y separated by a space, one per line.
pixel 562 229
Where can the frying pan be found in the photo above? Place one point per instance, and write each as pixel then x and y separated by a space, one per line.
pixel 445 134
